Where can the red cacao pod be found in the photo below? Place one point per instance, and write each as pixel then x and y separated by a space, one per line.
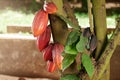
pixel 57 54
pixel 51 67
pixel 47 53
pixel 39 23
pixel 50 7
pixel 43 39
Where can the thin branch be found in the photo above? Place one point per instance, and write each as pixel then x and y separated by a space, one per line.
pixel 70 15
pixel 90 16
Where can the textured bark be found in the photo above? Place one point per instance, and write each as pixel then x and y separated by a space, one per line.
pixel 107 54
pixel 90 16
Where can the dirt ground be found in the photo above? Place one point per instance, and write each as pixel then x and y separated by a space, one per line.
pixel 5 77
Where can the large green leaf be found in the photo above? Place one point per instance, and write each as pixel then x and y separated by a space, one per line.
pixel 87 63
pixel 81 44
pixel 72 37
pixel 67 61
pixel 70 49
pixel 70 77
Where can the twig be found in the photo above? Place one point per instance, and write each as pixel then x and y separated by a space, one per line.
pixel 90 16
pixel 70 15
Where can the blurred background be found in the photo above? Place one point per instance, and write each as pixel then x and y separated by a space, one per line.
pixel 21 12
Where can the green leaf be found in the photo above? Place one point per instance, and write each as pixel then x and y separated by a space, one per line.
pixel 70 49
pixel 81 44
pixel 87 63
pixel 72 37
pixel 70 77
pixel 67 61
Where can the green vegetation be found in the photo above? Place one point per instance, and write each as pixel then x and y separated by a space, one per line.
pixel 9 17
pixel 84 21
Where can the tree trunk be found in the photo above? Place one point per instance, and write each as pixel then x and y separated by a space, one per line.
pixel 99 17
pixel 100 27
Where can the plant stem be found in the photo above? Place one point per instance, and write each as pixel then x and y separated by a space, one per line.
pixel 107 54
pixel 106 73
pixel 59 4
pixel 99 16
pixel 90 16
pixel 70 15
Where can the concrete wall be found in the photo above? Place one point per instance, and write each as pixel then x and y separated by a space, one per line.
pixel 19 56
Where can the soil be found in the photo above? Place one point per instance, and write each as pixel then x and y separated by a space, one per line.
pixel 6 77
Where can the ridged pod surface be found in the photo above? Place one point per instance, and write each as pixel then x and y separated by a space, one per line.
pixel 50 7
pixel 44 39
pixel 39 23
pixel 57 55
pixel 51 67
pixel 47 53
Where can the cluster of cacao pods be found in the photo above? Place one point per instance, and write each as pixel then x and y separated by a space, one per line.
pixel 41 30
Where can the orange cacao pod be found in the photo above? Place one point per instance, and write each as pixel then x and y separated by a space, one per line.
pixel 43 39
pixel 51 67
pixel 39 23
pixel 47 53
pixel 50 7
pixel 57 54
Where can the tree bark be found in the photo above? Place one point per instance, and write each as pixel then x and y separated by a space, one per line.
pixel 107 54
pixel 99 17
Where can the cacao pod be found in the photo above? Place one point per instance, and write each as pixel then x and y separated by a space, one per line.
pixel 93 43
pixel 57 54
pixel 51 67
pixel 39 23
pixel 47 53
pixel 87 32
pixel 50 7
pixel 43 39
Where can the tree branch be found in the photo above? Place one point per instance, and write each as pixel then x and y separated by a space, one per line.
pixel 99 16
pixel 107 54
pixel 90 16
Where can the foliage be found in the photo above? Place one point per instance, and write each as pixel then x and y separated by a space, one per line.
pixel 70 77
pixel 67 61
pixel 87 63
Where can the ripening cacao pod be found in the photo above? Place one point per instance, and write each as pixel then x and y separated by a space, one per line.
pixel 51 67
pixel 57 54
pixel 50 7
pixel 43 39
pixel 93 43
pixel 39 23
pixel 47 53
